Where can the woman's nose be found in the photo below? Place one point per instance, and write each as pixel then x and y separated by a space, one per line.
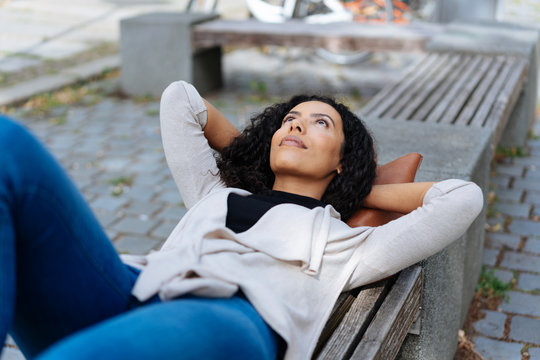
pixel 296 125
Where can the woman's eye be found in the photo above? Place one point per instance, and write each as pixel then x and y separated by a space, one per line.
pixel 322 122
pixel 288 119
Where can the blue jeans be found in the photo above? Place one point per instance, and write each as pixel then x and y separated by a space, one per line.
pixel 65 294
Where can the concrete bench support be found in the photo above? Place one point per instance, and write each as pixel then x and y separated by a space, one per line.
pixel 156 49
pixel 493 38
pixel 449 276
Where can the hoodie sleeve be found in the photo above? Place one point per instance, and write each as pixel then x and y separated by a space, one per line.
pixel 448 209
pixel 183 117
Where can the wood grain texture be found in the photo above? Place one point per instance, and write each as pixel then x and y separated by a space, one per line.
pixel 475 85
pixel 443 93
pixel 425 77
pixel 390 90
pixel 386 333
pixel 400 89
pixel 502 108
pixel 334 37
pixel 346 335
pixel 436 80
pixel 499 79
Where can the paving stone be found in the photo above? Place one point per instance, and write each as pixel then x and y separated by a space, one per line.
pixel 529 282
pixel 503 275
pixel 171 196
pixel 514 210
pixel 497 350
pixel 532 246
pixel 106 218
pixel 502 240
pixel 509 169
pixel 527 160
pixel 500 180
pixel 525 329
pixel 534 353
pixel 491 325
pixel 509 194
pixel 517 261
pixel 490 257
pixel 109 203
pixel 164 229
pixel 533 197
pixel 138 245
pixel 520 303
pixel 525 227
pixel 140 193
pixel 138 207
pixel 174 213
pixel 529 184
pixel 533 173
pixel 134 225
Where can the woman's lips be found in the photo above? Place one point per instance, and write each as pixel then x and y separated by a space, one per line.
pixel 292 140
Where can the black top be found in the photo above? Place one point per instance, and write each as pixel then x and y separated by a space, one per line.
pixel 244 211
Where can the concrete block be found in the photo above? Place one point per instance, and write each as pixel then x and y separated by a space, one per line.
pixel 449 276
pixel 450 10
pixel 490 37
pixel 520 303
pixel 156 50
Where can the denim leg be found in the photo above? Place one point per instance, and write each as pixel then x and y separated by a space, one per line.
pixel 189 328
pixel 59 273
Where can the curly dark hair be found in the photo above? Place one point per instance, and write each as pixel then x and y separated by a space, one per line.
pixel 245 163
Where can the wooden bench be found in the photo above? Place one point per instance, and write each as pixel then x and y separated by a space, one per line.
pixel 458 89
pixel 371 322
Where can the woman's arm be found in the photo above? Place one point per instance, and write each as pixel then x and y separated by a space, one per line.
pixel 449 208
pixel 402 198
pixel 218 130
pixel 183 116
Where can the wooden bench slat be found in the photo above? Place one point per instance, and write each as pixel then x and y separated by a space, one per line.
pixel 347 334
pixel 335 36
pixel 455 92
pixel 482 113
pixel 384 336
pixel 390 89
pixel 429 88
pixel 469 86
pixel 341 307
pixel 438 96
pixel 501 110
pixel 423 79
pixel 477 89
pixel 402 87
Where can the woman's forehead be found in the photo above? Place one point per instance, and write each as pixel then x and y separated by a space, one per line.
pixel 316 107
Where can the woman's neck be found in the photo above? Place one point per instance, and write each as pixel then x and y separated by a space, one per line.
pixel 300 186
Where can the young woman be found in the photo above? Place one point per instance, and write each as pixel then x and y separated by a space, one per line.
pixel 250 272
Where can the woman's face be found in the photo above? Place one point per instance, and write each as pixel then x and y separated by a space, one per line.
pixel 309 142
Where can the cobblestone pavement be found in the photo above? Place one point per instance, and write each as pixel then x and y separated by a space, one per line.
pixel 111 146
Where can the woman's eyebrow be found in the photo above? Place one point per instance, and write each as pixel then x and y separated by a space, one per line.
pixel 314 115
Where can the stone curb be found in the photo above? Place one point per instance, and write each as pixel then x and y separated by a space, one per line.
pixel 68 76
